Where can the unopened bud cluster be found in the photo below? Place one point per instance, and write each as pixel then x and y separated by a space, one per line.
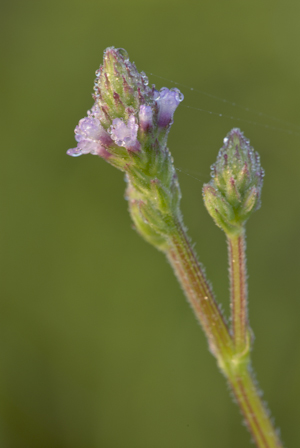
pixel 234 191
pixel 128 126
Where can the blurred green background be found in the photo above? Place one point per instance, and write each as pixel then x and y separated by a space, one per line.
pixel 98 347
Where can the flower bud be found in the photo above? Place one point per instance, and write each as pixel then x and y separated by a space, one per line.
pixel 119 88
pixel 167 102
pixel 235 189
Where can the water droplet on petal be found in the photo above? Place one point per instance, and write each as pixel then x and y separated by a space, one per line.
pixel 144 78
pixel 74 152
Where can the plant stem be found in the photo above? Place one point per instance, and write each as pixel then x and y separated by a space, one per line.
pixel 238 291
pixel 199 294
pixel 256 415
pixel 233 364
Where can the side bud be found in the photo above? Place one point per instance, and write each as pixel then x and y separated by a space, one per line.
pixel 234 191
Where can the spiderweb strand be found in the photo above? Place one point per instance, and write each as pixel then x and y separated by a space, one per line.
pixel 243 120
pixel 231 103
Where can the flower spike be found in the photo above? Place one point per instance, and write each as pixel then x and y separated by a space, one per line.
pixel 128 126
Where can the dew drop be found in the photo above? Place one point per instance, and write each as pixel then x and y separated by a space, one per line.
pixel 74 152
pixel 144 78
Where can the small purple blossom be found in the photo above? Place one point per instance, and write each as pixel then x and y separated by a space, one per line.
pixel 167 102
pixel 125 134
pixel 146 117
pixel 91 138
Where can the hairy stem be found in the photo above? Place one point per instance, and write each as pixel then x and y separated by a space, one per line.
pixel 256 415
pixel 238 291
pixel 199 294
pixel 233 364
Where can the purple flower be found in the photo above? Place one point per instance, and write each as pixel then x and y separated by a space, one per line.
pixel 127 113
pixel 146 117
pixel 167 102
pixel 91 137
pixel 125 134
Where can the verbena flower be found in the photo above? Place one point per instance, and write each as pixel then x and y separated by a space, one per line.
pixel 128 126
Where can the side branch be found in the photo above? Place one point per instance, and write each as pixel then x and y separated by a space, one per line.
pixel 238 291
